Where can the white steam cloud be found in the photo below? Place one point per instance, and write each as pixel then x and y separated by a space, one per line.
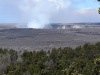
pixel 39 12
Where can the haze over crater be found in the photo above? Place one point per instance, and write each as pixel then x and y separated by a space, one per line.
pixel 38 13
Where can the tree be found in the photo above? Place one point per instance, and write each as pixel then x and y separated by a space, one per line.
pixel 83 60
pixel 99 8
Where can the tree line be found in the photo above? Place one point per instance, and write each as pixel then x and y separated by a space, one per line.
pixel 83 60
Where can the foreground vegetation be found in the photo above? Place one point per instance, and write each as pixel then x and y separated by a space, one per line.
pixel 83 60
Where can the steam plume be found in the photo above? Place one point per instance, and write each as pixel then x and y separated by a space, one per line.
pixel 39 12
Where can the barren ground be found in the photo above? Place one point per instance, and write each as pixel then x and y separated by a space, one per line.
pixel 37 39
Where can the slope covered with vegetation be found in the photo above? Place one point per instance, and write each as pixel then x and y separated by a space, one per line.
pixel 83 60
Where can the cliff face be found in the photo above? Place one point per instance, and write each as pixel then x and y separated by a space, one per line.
pixel 52 25
pixel 72 25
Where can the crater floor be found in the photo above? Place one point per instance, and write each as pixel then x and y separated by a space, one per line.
pixel 37 39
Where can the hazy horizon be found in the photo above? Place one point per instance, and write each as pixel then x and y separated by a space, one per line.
pixel 38 13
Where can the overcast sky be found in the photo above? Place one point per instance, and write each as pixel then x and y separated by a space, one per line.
pixel 56 11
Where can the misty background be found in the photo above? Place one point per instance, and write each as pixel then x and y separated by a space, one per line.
pixel 38 13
